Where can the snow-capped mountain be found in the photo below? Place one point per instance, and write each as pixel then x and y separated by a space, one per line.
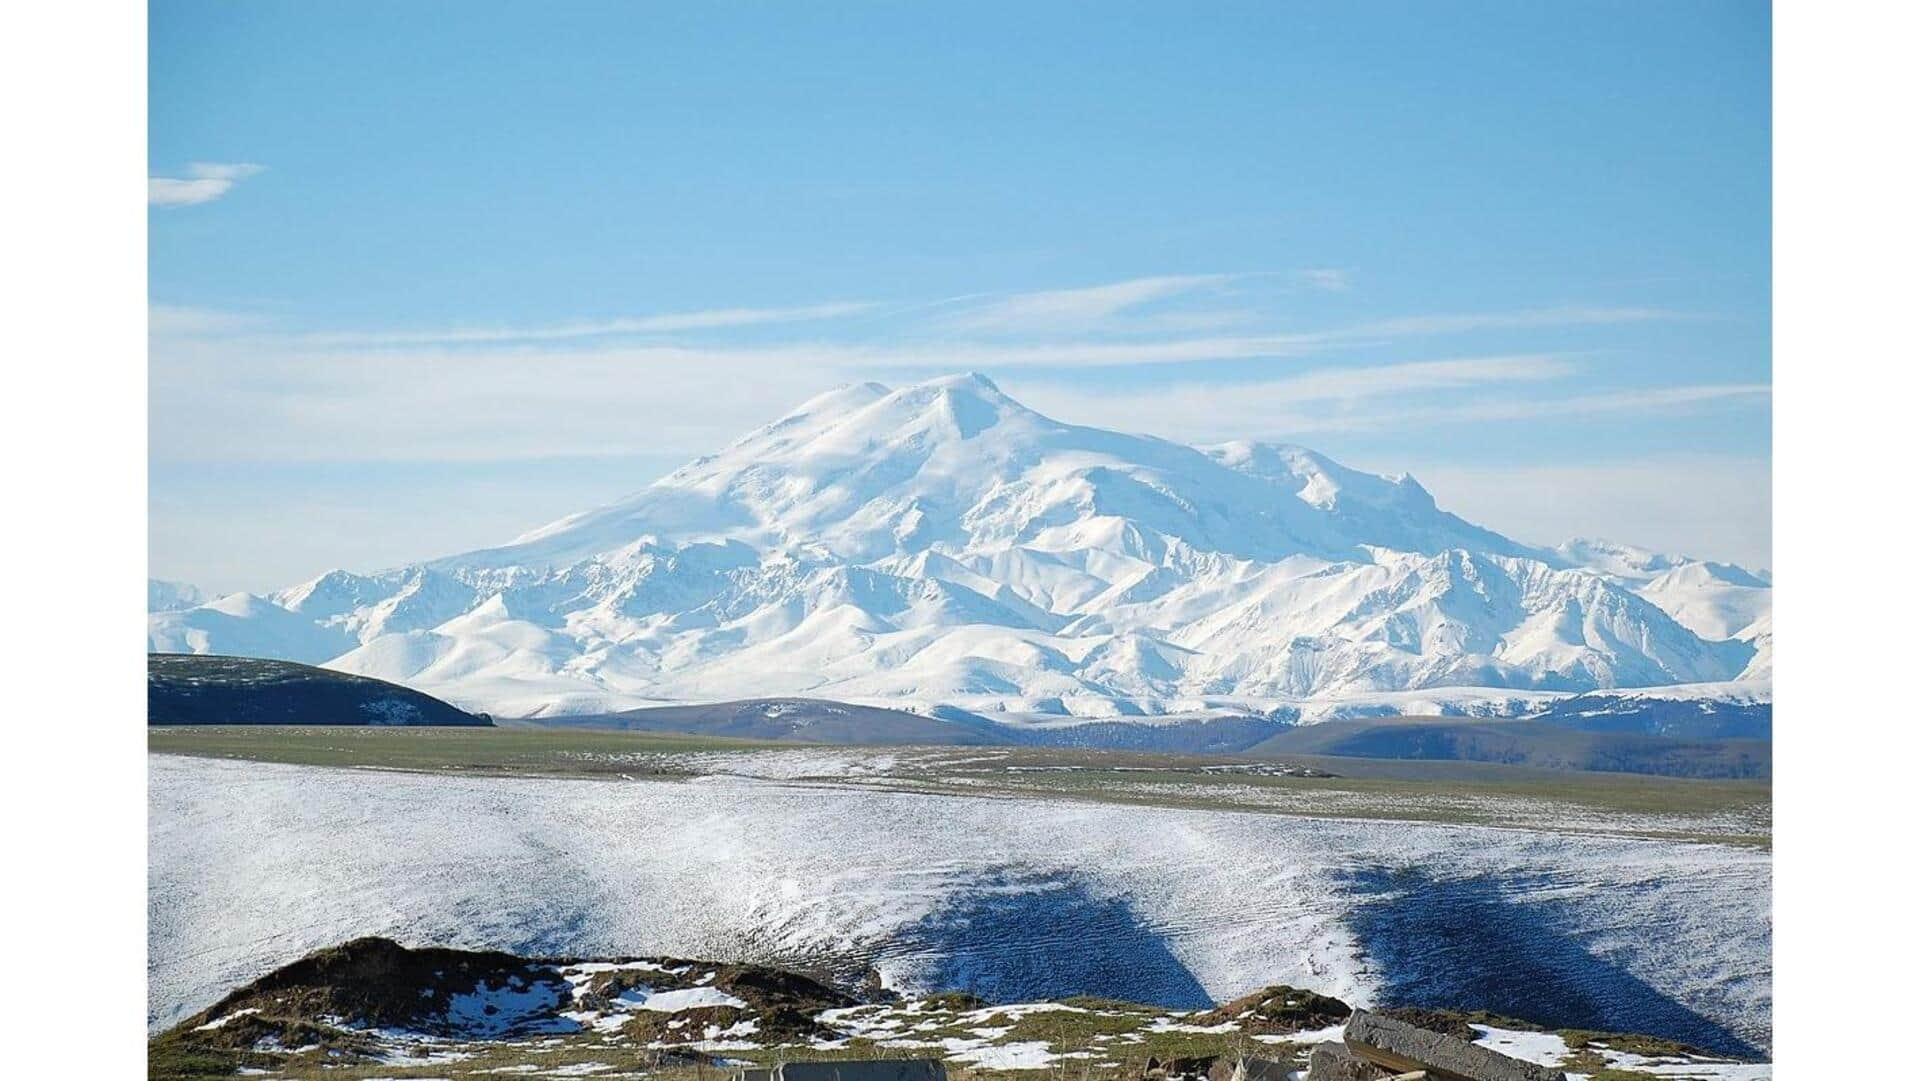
pixel 1713 600
pixel 166 596
pixel 942 543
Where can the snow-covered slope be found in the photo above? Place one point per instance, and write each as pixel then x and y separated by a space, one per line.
pixel 244 625
pixel 165 596
pixel 1713 600
pixel 943 543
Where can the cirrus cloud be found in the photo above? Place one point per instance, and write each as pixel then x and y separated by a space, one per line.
pixel 205 181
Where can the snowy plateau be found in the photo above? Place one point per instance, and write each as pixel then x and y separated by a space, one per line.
pixel 942 544
pixel 817 859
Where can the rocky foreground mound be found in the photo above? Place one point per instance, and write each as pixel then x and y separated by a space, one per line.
pixel 373 1008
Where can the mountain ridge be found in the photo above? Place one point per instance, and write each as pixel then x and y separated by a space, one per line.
pixel 944 544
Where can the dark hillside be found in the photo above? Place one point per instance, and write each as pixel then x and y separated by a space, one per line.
pixel 204 689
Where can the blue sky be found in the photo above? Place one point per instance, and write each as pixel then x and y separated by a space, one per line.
pixel 427 275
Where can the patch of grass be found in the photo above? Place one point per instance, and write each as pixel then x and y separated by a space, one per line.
pixel 1108 1005
pixel 1169 1045
pixel 955 1001
pixel 171 1057
pixel 1453 793
pixel 1456 1023
pixel 1648 1046
pixel 488 751
pixel 1072 1028
pixel 626 1062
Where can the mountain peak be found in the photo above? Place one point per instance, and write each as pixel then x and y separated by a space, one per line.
pixel 969 382
pixel 968 403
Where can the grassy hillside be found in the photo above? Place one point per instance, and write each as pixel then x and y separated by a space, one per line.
pixel 187 689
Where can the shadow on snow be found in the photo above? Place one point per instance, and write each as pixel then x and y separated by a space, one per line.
pixel 1022 940
pixel 1472 944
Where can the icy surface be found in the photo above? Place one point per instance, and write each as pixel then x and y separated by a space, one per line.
pixel 253 865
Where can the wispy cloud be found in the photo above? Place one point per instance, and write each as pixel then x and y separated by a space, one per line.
pixel 166 320
pixel 1517 320
pixel 230 386
pixel 1064 328
pixel 713 319
pixel 1370 399
pixel 205 181
pixel 219 399
pixel 1354 384
pixel 911 350
pixel 1627 401
pixel 1332 397
pixel 1330 279
pixel 1168 350
pixel 1077 309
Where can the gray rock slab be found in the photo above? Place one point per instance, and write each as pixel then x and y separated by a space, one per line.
pixel 1401 1047
pixel 851 1070
pixel 1227 1068
pixel 1333 1062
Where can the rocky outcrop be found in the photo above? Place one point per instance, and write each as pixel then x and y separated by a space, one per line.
pixel 1279 1010
pixel 374 1002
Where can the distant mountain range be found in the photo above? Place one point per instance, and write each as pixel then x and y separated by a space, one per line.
pixel 942 544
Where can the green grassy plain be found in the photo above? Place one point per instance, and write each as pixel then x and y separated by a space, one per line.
pixel 507 751
pixel 1471 793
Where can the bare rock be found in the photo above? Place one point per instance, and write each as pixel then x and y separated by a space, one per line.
pixel 1401 1047
pixel 1333 1062
pixel 1229 1068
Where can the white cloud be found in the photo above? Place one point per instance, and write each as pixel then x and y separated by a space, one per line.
pixel 941 353
pixel 713 319
pixel 1330 279
pixel 1520 320
pixel 224 386
pixel 220 398
pixel 166 320
pixel 205 181
pixel 228 400
pixel 1362 399
pixel 1627 401
pixel 1356 384
pixel 1077 309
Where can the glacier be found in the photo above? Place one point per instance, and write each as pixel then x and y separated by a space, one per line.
pixel 941 543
